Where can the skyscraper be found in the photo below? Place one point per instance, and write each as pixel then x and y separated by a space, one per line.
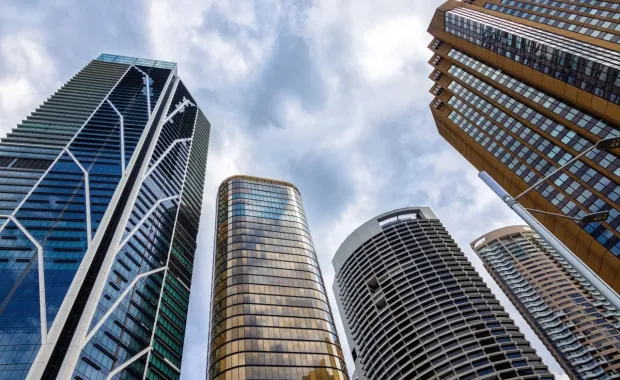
pixel 414 307
pixel 523 86
pixel 577 324
pixel 99 208
pixel 270 315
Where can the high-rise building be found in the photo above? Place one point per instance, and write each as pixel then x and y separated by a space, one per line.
pixel 99 208
pixel 415 308
pixel 523 86
pixel 576 323
pixel 270 316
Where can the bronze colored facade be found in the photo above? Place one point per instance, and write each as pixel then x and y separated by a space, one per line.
pixel 577 324
pixel 413 306
pixel 270 316
pixel 523 86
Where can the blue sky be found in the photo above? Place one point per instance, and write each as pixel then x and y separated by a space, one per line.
pixel 330 95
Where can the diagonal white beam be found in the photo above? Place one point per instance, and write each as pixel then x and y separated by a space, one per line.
pixel 137 356
pixel 141 222
pixel 163 155
pixel 161 293
pixel 172 365
pixel 89 230
pixel 122 119
pixel 118 301
pixel 42 303
pixel 147 79
pixel 180 108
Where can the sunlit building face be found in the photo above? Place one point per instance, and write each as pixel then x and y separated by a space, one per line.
pixel 521 87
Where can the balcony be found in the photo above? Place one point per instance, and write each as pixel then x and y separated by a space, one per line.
pixel 561 336
pixel 576 354
pixel 574 347
pixel 582 360
pixel 548 319
pixel 551 325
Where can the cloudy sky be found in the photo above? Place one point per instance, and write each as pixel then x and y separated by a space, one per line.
pixel 330 95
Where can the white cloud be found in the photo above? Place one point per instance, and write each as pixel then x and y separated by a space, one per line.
pixel 183 31
pixel 371 58
pixel 387 47
pixel 28 73
pixel 371 122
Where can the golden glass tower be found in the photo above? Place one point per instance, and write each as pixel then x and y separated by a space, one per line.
pixel 270 317
pixel 522 87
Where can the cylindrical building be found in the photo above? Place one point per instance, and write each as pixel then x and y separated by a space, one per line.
pixel 270 316
pixel 415 308
pixel 576 323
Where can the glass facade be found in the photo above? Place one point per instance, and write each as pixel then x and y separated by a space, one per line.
pixel 589 67
pixel 509 137
pixel 577 324
pixel 415 308
pixel 519 101
pixel 580 22
pixel 270 316
pixel 68 172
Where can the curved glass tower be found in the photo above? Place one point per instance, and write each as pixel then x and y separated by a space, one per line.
pixel 415 308
pixel 270 316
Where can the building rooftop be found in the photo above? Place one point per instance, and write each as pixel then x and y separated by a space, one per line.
pixel 136 61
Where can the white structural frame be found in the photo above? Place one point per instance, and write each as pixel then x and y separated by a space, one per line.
pixel 41 270
pixel 179 108
pixel 163 155
pixel 122 120
pixel 142 221
pixel 161 292
pixel 120 298
pixel 40 361
pixel 147 79
pixel 126 364
pixel 34 187
pixel 72 356
pixel 89 231
pixel 45 351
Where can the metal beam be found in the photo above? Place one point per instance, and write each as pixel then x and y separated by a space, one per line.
pixel 117 302
pixel 142 221
pixel 147 79
pixel 163 155
pixel 89 230
pixel 137 356
pixel 122 119
pixel 180 108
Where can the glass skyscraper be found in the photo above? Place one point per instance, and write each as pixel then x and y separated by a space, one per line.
pixel 579 326
pixel 101 190
pixel 415 308
pixel 270 317
pixel 520 88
